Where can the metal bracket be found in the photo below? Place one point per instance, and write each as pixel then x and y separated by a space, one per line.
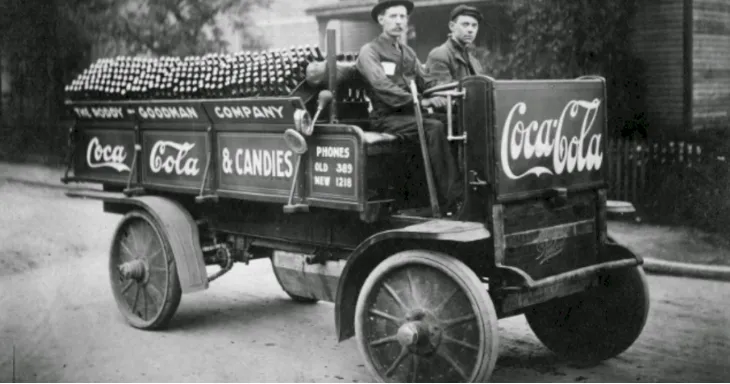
pixel 202 197
pixel 130 191
pixel 69 155
pixel 449 113
pixel 474 179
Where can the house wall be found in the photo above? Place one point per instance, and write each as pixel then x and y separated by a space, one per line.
pixel 658 40
pixel 431 30
pixel 283 24
pixel 711 64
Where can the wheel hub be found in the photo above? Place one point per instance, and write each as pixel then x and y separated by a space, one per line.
pixel 135 269
pixel 421 333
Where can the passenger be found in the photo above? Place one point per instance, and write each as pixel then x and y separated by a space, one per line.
pixel 389 66
pixel 454 59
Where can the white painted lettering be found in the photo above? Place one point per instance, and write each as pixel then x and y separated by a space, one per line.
pixel 569 154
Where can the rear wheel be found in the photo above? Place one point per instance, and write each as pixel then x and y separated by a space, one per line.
pixel 296 298
pixel 143 273
pixel 422 316
pixel 598 324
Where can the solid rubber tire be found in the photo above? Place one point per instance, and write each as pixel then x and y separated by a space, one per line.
pixel 173 292
pixel 463 276
pixel 598 324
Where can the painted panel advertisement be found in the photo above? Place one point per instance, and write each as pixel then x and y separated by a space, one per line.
pixel 255 162
pixel 104 154
pixel 549 134
pixel 173 158
pixel 259 111
pixel 333 167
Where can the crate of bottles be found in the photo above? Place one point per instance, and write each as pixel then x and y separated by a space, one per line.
pixel 265 73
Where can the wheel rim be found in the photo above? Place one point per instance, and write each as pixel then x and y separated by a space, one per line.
pixel 421 325
pixel 139 271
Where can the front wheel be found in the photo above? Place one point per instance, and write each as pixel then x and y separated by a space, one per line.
pixel 143 273
pixel 598 324
pixel 422 316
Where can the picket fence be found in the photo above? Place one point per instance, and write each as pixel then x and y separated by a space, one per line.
pixel 633 165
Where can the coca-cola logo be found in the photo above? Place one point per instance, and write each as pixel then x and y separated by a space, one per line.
pixel 175 160
pixel 522 141
pixel 106 156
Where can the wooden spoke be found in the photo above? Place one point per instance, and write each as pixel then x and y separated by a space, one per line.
pixel 127 286
pixel 460 342
pixel 414 292
pixel 441 306
pixel 459 320
pixel 455 365
pixel 148 295
pixel 154 255
pixel 131 254
pixel 144 298
pixel 386 316
pixel 155 293
pixel 136 298
pixel 153 268
pixel 133 235
pixel 397 362
pixel 395 297
pixel 384 340
pixel 416 360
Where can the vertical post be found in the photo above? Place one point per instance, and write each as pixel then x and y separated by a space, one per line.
pixel 2 94
pixel 332 72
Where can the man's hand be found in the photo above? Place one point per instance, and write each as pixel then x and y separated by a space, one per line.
pixel 434 102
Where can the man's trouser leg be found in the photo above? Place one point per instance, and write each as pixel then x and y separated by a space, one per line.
pixel 443 164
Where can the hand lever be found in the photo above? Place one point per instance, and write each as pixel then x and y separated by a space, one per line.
pixel 323 99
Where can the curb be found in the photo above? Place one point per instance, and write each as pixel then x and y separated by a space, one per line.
pixel 651 265
pixel 699 271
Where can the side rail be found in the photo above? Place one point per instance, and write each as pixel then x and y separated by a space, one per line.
pixel 263 149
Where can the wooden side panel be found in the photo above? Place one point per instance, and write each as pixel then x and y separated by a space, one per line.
pixel 658 41
pixel 711 65
pixel 544 240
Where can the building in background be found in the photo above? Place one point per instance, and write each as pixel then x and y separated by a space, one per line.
pixel 429 21
pixel 684 44
pixel 283 24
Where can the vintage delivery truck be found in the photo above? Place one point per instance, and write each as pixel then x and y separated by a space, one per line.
pixel 346 215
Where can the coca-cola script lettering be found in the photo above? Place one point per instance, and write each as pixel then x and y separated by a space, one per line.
pixel 171 157
pixel 106 156
pixel 569 154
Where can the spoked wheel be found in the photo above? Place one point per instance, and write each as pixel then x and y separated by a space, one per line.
pixel 426 317
pixel 143 272
pixel 294 297
pixel 597 324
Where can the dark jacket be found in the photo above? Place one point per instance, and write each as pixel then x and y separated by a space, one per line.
pixel 390 92
pixel 448 62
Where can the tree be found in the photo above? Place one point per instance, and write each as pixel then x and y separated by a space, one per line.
pixel 565 39
pixel 46 43
pixel 177 27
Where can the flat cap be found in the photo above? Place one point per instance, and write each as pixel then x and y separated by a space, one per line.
pixel 468 11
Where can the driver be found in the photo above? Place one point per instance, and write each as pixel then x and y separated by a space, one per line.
pixel 388 67
pixel 454 59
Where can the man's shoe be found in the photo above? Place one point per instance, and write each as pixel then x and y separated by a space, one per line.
pixel 454 209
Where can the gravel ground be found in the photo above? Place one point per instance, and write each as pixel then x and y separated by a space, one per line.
pixel 57 310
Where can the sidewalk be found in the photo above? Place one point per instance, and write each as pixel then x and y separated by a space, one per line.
pixel 657 245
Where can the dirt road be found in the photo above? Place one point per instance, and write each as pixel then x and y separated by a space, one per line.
pixel 56 309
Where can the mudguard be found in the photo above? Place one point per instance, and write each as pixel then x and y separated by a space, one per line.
pixel 360 262
pixel 179 227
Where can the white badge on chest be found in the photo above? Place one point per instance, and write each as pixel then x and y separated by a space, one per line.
pixel 389 68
